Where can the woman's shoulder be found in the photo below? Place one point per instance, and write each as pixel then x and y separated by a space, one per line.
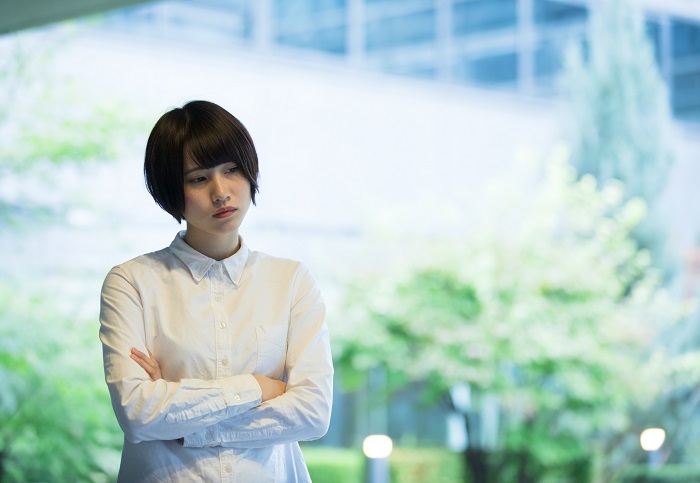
pixel 264 263
pixel 266 260
pixel 147 261
pixel 290 272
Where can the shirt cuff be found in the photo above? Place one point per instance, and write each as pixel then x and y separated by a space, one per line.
pixel 241 391
pixel 240 394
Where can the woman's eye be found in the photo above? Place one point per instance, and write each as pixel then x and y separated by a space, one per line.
pixel 232 169
pixel 198 179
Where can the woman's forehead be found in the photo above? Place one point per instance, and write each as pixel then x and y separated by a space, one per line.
pixel 190 163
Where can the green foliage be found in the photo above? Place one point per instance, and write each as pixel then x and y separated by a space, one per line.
pixel 407 465
pixel 82 135
pixel 49 122
pixel 15 59
pixel 331 465
pixel 621 119
pixel 620 116
pixel 549 306
pixel 56 423
pixel 507 466
pixel 663 474
pixel 418 465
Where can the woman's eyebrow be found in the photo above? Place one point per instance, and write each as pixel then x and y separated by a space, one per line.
pixel 198 168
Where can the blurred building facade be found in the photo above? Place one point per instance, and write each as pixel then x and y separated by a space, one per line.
pixel 515 45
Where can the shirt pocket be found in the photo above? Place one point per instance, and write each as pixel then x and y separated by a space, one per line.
pixel 272 350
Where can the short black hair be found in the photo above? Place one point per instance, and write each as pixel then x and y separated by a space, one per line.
pixel 206 132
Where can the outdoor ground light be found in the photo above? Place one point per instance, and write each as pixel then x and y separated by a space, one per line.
pixel 377 448
pixel 651 440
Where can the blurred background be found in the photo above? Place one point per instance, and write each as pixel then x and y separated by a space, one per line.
pixel 498 197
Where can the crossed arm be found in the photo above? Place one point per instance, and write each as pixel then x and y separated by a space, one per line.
pixel 242 411
pixel 271 388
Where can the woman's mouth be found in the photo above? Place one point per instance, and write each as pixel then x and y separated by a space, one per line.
pixel 224 212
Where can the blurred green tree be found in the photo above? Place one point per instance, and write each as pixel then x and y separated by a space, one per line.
pixel 621 124
pixel 549 308
pixel 50 122
pixel 620 116
pixel 56 422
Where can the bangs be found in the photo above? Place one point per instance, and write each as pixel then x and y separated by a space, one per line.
pixel 208 150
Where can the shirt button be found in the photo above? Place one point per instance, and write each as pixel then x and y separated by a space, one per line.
pixel 237 397
pixel 224 362
pixel 228 468
pixel 218 298
pixel 222 325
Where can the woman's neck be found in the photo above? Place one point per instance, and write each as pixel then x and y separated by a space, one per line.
pixel 216 247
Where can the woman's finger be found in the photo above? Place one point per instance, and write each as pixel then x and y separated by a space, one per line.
pixel 143 364
pixel 152 359
pixel 142 360
pixel 149 364
pixel 135 353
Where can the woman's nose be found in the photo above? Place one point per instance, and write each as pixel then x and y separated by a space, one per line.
pixel 219 191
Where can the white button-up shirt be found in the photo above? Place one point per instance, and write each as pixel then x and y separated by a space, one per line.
pixel 211 325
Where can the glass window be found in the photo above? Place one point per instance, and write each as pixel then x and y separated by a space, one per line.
pixel 493 69
pixel 653 31
pixel 402 30
pixel 686 69
pixel 551 12
pixel 548 59
pixel 686 98
pixel 483 15
pixel 311 24
pixel 331 40
pixel 283 9
pixel 203 21
pixel 427 3
pixel 686 38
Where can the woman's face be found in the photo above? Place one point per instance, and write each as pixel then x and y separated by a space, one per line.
pixel 216 202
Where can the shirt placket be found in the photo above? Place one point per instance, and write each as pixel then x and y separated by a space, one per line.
pixel 226 460
pixel 223 341
pixel 223 351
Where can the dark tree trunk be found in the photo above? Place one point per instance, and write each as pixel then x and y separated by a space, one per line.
pixel 523 477
pixel 3 453
pixel 477 465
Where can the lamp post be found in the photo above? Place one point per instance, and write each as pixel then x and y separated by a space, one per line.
pixel 651 440
pixel 377 448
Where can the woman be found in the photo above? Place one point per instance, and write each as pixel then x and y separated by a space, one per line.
pixel 217 357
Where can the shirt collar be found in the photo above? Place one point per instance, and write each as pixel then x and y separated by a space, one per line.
pixel 199 264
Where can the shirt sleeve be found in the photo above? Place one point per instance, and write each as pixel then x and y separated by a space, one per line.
pixel 158 410
pixel 302 413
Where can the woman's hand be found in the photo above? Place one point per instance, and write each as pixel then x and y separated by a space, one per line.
pixel 271 388
pixel 148 362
